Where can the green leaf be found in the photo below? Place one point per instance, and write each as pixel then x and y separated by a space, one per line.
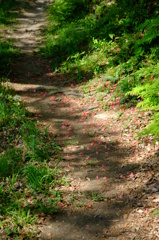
pixel 154 212
pixel 111 35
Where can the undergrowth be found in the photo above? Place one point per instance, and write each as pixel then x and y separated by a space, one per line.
pixel 28 185
pixel 27 182
pixel 116 41
pixel 7 13
pixel 7 50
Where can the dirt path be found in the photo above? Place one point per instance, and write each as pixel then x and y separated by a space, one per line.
pixel 111 179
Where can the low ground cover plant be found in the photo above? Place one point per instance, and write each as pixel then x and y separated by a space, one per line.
pixel 27 182
pixel 115 41
pixel 7 50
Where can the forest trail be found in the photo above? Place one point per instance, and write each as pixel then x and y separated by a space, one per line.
pixel 109 173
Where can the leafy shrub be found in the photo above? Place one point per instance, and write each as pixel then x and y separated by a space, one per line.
pixel 118 39
pixel 149 94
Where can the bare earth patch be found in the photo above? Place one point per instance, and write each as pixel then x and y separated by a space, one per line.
pixel 113 177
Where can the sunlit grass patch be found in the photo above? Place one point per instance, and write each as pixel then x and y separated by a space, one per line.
pixel 25 156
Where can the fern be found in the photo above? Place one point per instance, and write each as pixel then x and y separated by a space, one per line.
pixel 150 30
pixel 153 128
pixel 149 93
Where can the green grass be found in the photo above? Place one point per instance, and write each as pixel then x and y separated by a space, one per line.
pixel 25 154
pixel 27 183
pixel 7 50
pixel 113 42
pixel 95 196
pixel 7 13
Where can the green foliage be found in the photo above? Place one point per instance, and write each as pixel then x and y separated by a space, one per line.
pixel 9 161
pixel 7 52
pixel 69 30
pixel 149 93
pixel 156 211
pixel 6 15
pixel 153 128
pixel 69 10
pixel 9 108
pixel 148 37
pixel 23 145
pixel 147 90
pixel 22 216
pixel 40 178
pixel 118 39
pixel 96 197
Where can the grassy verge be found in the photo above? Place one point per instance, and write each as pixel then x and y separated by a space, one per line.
pixel 114 42
pixel 7 15
pixel 7 50
pixel 29 157
pixel 28 183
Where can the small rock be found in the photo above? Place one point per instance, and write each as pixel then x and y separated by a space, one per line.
pixel 156 200
pixel 139 204
pixel 154 189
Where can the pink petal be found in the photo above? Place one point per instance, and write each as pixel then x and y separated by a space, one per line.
pixel 131 175
pixel 29 200
pixel 121 176
pixel 72 188
pixel 52 98
pixel 60 204
pixel 146 211
pixel 120 196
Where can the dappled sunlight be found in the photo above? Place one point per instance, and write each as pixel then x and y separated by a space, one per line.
pixel 84 157
pixel 30 22
pixel 29 88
